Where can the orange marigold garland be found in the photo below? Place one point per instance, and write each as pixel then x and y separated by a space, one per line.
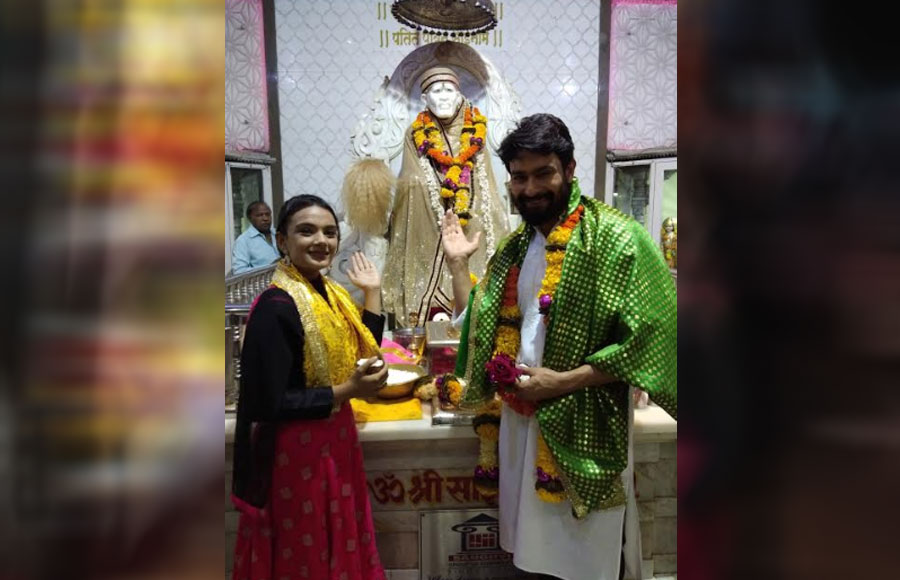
pixel 456 171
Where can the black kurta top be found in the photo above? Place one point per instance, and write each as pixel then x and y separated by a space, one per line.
pixel 273 388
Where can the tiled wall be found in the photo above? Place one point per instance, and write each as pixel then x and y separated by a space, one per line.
pixel 333 56
pixel 246 109
pixel 643 74
pixel 656 487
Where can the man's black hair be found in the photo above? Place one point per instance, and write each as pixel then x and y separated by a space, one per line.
pixel 541 133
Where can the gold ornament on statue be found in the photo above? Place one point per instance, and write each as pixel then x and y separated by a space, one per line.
pixel 451 18
pixel 669 241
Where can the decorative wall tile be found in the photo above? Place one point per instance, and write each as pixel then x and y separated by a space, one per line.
pixel 667 478
pixel 665 564
pixel 646 510
pixel 647 540
pixel 665 539
pixel 422 453
pixel 398 549
pixel 667 507
pixel 643 95
pixel 646 452
pixel 246 108
pixel 668 450
pixel 645 480
pixel 396 521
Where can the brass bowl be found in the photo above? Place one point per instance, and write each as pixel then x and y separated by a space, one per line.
pixel 404 389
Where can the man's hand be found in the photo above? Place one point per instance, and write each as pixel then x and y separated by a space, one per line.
pixel 457 248
pixel 543 383
pixel 540 383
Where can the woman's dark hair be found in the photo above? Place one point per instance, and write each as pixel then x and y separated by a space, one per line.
pixel 298 202
pixel 541 133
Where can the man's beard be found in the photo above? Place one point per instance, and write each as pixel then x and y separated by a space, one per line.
pixel 538 217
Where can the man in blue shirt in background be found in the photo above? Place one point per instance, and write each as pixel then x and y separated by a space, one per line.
pixel 256 246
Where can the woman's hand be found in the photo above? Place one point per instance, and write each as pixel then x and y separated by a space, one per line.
pixel 365 276
pixel 364 382
pixel 363 273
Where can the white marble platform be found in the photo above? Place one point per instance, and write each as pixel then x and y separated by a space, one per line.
pixel 651 425
pixel 400 453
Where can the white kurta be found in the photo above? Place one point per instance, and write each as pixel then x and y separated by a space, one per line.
pixel 545 537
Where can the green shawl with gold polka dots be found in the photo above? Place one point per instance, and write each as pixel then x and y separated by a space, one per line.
pixel 615 309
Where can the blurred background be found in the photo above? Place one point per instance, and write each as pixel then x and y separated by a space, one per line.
pixel 789 293
pixel 111 148
pixel 113 363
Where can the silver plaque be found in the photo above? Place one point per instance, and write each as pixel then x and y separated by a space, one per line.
pixel 464 545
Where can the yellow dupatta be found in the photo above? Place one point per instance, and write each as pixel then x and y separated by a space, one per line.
pixel 335 338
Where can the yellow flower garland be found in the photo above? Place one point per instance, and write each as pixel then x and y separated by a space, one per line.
pixel 453 389
pixel 487 427
pixel 556 252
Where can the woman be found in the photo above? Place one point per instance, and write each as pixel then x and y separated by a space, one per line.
pixel 298 472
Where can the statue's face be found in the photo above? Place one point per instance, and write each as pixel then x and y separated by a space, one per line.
pixel 442 99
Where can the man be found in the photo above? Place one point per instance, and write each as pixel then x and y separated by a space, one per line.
pixel 581 300
pixel 256 246
pixel 446 165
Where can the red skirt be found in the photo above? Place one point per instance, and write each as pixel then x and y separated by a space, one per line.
pixel 317 522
